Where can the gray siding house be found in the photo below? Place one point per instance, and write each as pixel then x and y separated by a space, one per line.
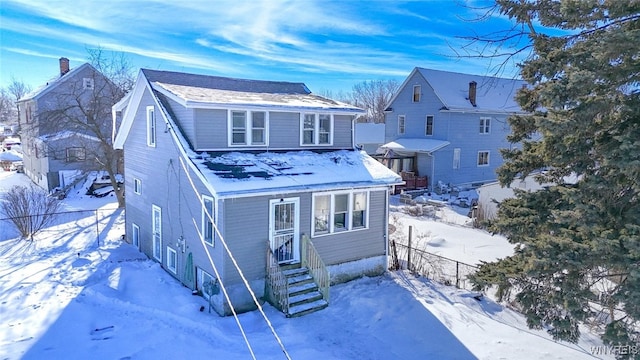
pixel 449 126
pixel 55 148
pixel 233 182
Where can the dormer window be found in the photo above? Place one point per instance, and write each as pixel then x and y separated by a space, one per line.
pixel 248 128
pixel 87 83
pixel 317 129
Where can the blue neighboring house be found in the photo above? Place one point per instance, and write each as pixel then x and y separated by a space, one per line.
pixel 449 126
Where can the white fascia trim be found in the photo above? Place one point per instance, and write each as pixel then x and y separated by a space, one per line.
pixel 304 189
pixel 130 112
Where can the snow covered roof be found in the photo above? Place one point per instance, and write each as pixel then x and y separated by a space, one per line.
pixel 10 156
pixel 238 173
pixel 493 94
pixel 193 90
pixel 415 145
pixel 52 83
pixel 65 134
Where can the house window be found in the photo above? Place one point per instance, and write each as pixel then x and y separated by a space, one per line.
pixel 135 235
pixel 483 158
pixel 340 212
pixel 204 281
pixel 416 93
pixel 428 128
pixel 485 125
pixel 456 158
pixel 207 219
pixel 172 260
pixel 258 128
pixel 400 124
pixel 137 186
pixel 317 129
pixel 322 211
pixel 87 83
pixel 151 127
pixel 156 228
pixel 343 211
pixel 248 128
pixel 359 210
pixel 75 154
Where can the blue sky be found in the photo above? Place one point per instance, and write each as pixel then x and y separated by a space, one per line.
pixel 328 45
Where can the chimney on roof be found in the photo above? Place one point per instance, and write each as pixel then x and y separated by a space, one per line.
pixel 472 92
pixel 64 65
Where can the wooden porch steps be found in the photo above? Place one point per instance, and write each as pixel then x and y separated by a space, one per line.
pixel 304 296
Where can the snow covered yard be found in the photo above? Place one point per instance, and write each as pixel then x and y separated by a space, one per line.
pixel 66 297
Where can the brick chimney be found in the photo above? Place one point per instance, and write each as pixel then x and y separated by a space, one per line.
pixel 472 92
pixel 64 65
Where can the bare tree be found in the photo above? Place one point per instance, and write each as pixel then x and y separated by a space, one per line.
pixel 18 89
pixel 30 209
pixel 7 107
pixel 374 97
pixel 87 113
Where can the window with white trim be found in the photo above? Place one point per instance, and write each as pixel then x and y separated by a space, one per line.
pixel 151 126
pixel 416 93
pixel 75 154
pixel 316 129
pixel 172 260
pixel 204 278
pixel 483 158
pixel 428 125
pixel 485 125
pixel 87 83
pixel 340 211
pixel 401 119
pixel 248 128
pixel 137 186
pixel 456 158
pixel 135 235
pixel 207 217
pixel 156 229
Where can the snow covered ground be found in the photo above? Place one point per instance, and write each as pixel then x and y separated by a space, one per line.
pixel 65 296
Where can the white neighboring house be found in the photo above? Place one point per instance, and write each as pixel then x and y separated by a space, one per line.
pixel 369 136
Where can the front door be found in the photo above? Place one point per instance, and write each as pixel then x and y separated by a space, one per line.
pixel 284 229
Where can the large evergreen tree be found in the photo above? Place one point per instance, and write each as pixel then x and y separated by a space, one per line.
pixel 577 257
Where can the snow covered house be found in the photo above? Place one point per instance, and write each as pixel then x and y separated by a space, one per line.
pixel 55 140
pixel 236 184
pixel 449 126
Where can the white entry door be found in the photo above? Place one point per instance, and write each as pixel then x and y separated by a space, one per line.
pixel 284 229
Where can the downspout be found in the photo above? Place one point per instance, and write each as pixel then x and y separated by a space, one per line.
pixel 386 227
pixel 353 132
pixel 433 170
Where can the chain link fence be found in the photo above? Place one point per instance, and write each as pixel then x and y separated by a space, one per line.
pixel 435 267
pixel 60 222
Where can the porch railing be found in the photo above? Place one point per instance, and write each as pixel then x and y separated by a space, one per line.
pixel 316 266
pixel 277 282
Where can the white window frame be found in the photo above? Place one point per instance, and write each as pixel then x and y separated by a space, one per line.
pixel 426 125
pixel 87 83
pixel 135 235
pixel 75 154
pixel 330 217
pixel 480 157
pixel 203 276
pixel 172 257
pixel 156 209
pixel 456 158
pixel 401 124
pixel 485 125
pixel 151 127
pixel 417 90
pixel 205 222
pixel 137 186
pixel 248 128
pixel 316 137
